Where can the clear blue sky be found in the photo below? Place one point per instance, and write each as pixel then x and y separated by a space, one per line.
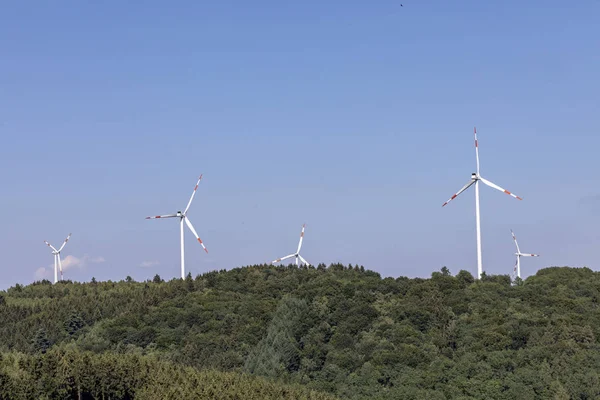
pixel 354 117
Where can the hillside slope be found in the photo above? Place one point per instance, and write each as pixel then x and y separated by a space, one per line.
pixel 335 329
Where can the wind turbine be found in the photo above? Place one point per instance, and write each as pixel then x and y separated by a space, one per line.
pixel 475 179
pixel 297 253
pixel 519 255
pixel 57 263
pixel 184 218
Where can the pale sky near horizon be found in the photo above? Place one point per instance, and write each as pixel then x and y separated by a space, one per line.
pixel 355 118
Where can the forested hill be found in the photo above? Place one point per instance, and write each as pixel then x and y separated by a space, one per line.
pixel 295 333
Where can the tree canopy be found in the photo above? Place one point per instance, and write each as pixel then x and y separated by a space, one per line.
pixel 314 333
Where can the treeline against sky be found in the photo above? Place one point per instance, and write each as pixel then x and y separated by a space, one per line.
pixel 339 331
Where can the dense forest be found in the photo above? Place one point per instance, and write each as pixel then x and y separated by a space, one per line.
pixel 266 332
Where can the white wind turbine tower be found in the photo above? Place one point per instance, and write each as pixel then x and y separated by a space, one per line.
pixel 519 255
pixel 57 263
pixel 475 179
pixel 183 217
pixel 297 253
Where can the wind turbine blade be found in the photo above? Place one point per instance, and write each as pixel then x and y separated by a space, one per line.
pixel 476 148
pixel 301 238
pixel 282 258
pixel 193 194
pixel 529 255
pixel 189 224
pixel 303 260
pixel 63 245
pixel 459 192
pixel 163 216
pixel 515 239
pixel 49 245
pixel 60 267
pixel 493 185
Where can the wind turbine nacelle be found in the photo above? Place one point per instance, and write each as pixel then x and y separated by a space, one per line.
pixel 474 176
pixel 179 214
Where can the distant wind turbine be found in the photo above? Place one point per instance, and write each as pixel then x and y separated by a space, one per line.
pixel 183 217
pixel 297 253
pixel 57 263
pixel 519 255
pixel 475 179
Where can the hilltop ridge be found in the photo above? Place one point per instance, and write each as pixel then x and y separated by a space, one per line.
pixel 335 329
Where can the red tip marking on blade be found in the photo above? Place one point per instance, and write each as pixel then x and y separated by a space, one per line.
pixel 195 188
pixel 519 198
pixel 206 250
pixel 200 240
pixel 302 234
